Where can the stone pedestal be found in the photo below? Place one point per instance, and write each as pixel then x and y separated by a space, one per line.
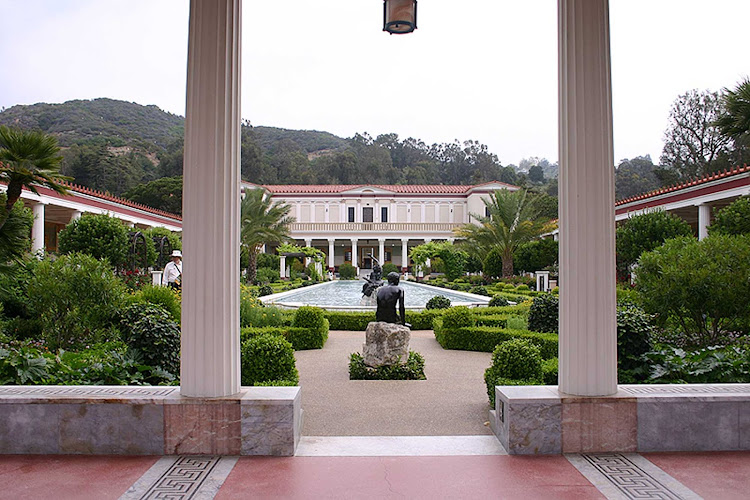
pixel 386 344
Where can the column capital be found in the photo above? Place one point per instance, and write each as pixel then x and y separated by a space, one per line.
pixel 331 241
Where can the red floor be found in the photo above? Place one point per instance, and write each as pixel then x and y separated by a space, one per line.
pixel 407 477
pixel 715 475
pixel 64 477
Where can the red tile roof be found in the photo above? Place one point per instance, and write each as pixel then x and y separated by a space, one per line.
pixel 694 182
pixel 396 188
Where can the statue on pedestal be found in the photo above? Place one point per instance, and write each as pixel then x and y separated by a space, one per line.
pixel 372 283
pixel 387 298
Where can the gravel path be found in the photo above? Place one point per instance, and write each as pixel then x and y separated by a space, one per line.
pixel 451 402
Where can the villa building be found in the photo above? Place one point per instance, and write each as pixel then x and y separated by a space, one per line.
pixel 351 223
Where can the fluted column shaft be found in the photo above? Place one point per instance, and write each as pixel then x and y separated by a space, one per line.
pixel 588 331
pixel 37 229
pixel 211 184
pixel 331 255
pixel 704 220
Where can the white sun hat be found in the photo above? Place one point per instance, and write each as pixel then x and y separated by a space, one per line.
pixel 176 253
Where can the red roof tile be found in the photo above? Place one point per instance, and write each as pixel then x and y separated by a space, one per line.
pixel 396 188
pixel 693 182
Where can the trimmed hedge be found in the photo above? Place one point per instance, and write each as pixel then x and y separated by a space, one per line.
pixel 268 358
pixel 486 338
pixel 497 320
pixel 413 369
pixel 357 321
pixel 300 338
pixel 549 371
pixel 516 359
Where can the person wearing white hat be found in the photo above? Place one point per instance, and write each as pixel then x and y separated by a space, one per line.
pixel 172 276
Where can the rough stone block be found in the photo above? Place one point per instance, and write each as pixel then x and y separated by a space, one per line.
pixel 386 344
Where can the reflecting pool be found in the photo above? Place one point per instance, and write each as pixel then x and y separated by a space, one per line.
pixel 346 295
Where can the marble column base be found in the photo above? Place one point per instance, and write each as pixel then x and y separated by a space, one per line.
pixel 148 421
pixel 638 418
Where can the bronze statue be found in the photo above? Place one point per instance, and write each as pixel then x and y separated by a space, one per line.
pixel 375 280
pixel 387 298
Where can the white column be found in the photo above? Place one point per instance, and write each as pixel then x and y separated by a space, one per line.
pixel 704 220
pixel 308 243
pixel 211 203
pixel 282 266
pixel 404 254
pixel 75 215
pixel 355 260
pixel 37 229
pixel 331 255
pixel 588 332
pixel 423 210
pixel 381 251
pixel 358 214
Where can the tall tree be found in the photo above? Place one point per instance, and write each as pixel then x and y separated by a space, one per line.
pixel 734 121
pixel 513 219
pixel 14 235
pixel 262 221
pixel 693 144
pixel 28 158
pixel 635 176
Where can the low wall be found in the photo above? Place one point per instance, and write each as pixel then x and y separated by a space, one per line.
pixel 639 418
pixel 148 421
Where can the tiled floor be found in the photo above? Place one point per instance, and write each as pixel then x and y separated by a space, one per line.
pixel 721 475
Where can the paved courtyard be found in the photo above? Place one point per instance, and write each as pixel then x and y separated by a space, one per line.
pixel 452 401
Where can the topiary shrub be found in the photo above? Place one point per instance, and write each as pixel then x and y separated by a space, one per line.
pixel 438 302
pixel 267 358
pixel 543 315
pixel 100 236
pixel 493 263
pixel 523 288
pixel 479 290
pixel 390 267
pixel 498 301
pixel 265 290
pixel 413 369
pixel 458 317
pixel 77 299
pixel 162 296
pixel 309 317
pixel 515 359
pixel 150 330
pixel 347 271
pixel 312 320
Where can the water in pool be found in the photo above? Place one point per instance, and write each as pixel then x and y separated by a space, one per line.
pixel 349 293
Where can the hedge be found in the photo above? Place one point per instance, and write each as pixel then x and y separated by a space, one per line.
pixel 357 321
pixel 496 320
pixel 413 369
pixel 300 338
pixel 485 338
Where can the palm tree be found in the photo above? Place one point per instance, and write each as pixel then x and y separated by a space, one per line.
pixel 512 219
pixel 735 120
pixel 14 237
pixel 28 158
pixel 262 222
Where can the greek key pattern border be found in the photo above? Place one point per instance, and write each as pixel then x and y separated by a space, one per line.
pixel 714 389
pixel 629 479
pixel 85 391
pixel 183 479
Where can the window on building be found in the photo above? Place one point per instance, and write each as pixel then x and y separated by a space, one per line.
pixel 486 211
pixel 383 214
pixel 388 256
pixel 351 214
pixel 348 256
pixel 367 214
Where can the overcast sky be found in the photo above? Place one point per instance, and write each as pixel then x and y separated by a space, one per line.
pixel 475 69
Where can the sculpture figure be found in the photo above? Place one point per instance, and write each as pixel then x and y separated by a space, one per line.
pixel 372 283
pixel 387 298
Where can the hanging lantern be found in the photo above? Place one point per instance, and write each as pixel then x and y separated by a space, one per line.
pixel 399 16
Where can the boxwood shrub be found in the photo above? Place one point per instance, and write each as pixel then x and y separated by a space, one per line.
pixel 357 321
pixel 549 371
pixel 413 369
pixel 491 380
pixel 151 331
pixel 516 359
pixel 498 320
pixel 438 302
pixel 485 338
pixel 300 338
pixel 543 315
pixel 498 301
pixel 267 358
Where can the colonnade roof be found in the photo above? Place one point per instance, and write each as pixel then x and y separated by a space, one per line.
pixel 394 188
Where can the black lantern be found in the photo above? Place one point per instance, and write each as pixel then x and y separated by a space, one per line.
pixel 399 16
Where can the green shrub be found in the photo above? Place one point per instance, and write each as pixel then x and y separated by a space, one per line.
pixel 438 302
pixel 498 301
pixel 268 261
pixel 702 286
pixel 543 315
pixel 350 321
pixel 496 320
pixel 268 358
pixel 265 290
pixel 313 320
pixel 713 365
pixel 77 299
pixel 309 317
pixel 266 275
pixel 300 338
pixel 733 219
pixel 479 290
pixel 550 371
pixel 645 232
pixel 523 288
pixel 634 331
pixel 347 271
pixel 161 296
pixel 258 315
pixel 493 263
pixel 100 236
pixel 535 255
pixel 627 294
pixel 14 284
pixel 175 239
pixel 486 338
pixel 413 369
pixel 389 267
pixel 457 317
pixel 151 331
pixel 515 359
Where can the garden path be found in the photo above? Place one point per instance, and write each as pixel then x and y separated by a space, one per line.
pixel 451 402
